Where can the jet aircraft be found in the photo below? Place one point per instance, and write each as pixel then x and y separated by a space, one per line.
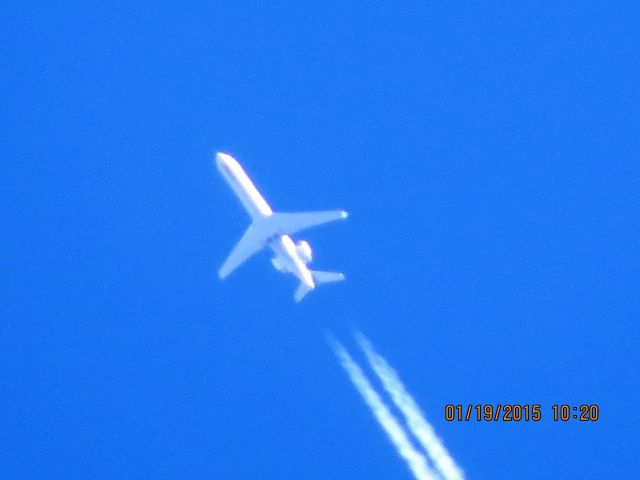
pixel 273 230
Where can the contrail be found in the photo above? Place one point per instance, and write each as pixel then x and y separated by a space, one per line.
pixel 416 422
pixel 416 461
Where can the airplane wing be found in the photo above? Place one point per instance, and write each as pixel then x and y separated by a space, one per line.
pixel 266 227
pixel 291 223
pixel 250 244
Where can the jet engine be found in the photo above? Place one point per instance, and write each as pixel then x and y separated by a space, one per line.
pixel 278 265
pixel 304 250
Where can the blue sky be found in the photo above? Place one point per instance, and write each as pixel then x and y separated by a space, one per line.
pixel 487 154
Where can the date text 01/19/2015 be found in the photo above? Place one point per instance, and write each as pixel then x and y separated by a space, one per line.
pixel 519 412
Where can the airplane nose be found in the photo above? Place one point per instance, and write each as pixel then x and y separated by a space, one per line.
pixel 224 161
pixel 220 157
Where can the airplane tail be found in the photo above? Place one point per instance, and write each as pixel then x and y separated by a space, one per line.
pixel 319 278
pixel 326 277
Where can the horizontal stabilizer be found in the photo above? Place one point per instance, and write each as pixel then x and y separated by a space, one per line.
pixel 326 277
pixel 319 277
pixel 301 292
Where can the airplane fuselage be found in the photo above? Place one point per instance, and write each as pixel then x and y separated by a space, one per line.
pixel 287 257
pixel 253 202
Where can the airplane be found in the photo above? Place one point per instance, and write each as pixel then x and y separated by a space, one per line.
pixel 273 230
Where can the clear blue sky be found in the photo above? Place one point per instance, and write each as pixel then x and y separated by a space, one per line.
pixel 488 156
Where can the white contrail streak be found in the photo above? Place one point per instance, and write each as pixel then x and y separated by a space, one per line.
pixel 416 422
pixel 416 462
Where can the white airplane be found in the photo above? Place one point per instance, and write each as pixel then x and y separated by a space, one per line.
pixel 273 230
